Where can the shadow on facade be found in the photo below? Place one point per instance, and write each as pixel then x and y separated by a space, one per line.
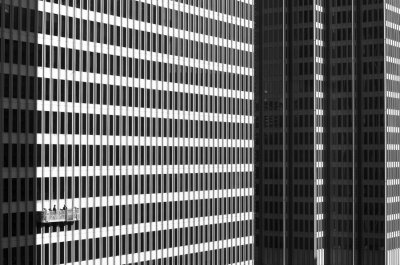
pixel 20 91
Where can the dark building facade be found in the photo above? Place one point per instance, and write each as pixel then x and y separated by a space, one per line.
pixel 327 132
pixel 126 132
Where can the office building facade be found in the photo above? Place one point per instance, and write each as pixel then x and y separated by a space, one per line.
pixel 326 132
pixel 127 132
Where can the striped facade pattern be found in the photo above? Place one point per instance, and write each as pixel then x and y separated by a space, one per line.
pixel 326 144
pixel 319 124
pixel 140 114
pixel 392 130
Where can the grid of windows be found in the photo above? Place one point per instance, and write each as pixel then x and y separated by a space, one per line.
pixel 327 138
pixel 392 132
pixel 269 137
pixel 341 126
pixel 138 113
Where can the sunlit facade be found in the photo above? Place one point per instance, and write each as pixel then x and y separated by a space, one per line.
pixel 127 132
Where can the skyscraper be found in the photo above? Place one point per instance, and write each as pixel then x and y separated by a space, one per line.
pixel 327 132
pixel 126 132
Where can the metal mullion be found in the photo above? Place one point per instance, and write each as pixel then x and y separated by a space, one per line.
pixel 191 130
pixel 315 157
pixel 213 29
pixel 177 104
pixel 140 247
pixel 244 112
pixel 133 242
pixel 88 153
pixel 195 176
pixel 244 154
pixel 199 176
pixel 162 156
pixel 203 150
pixel 125 134
pixel 147 149
pixel 48 57
pixel 58 247
pixel 250 128
pixel 243 133
pixel 166 125
pixel 230 136
pixel 239 165
pixel 91 183
pixel 385 52
pixel 185 136
pixel 233 132
pixel 236 162
pixel 120 127
pixel 210 164
pixel 208 30
pixel 110 134
pixel 140 239
pixel 216 136
pixel 150 181
pixel 354 170
pixel 73 127
pixel 250 153
pixel 101 125
pixel 174 165
pixel 156 150
pixel 219 149
pixel 221 135
pixel 2 135
pixel 243 106
pixel 191 150
pixel 144 138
